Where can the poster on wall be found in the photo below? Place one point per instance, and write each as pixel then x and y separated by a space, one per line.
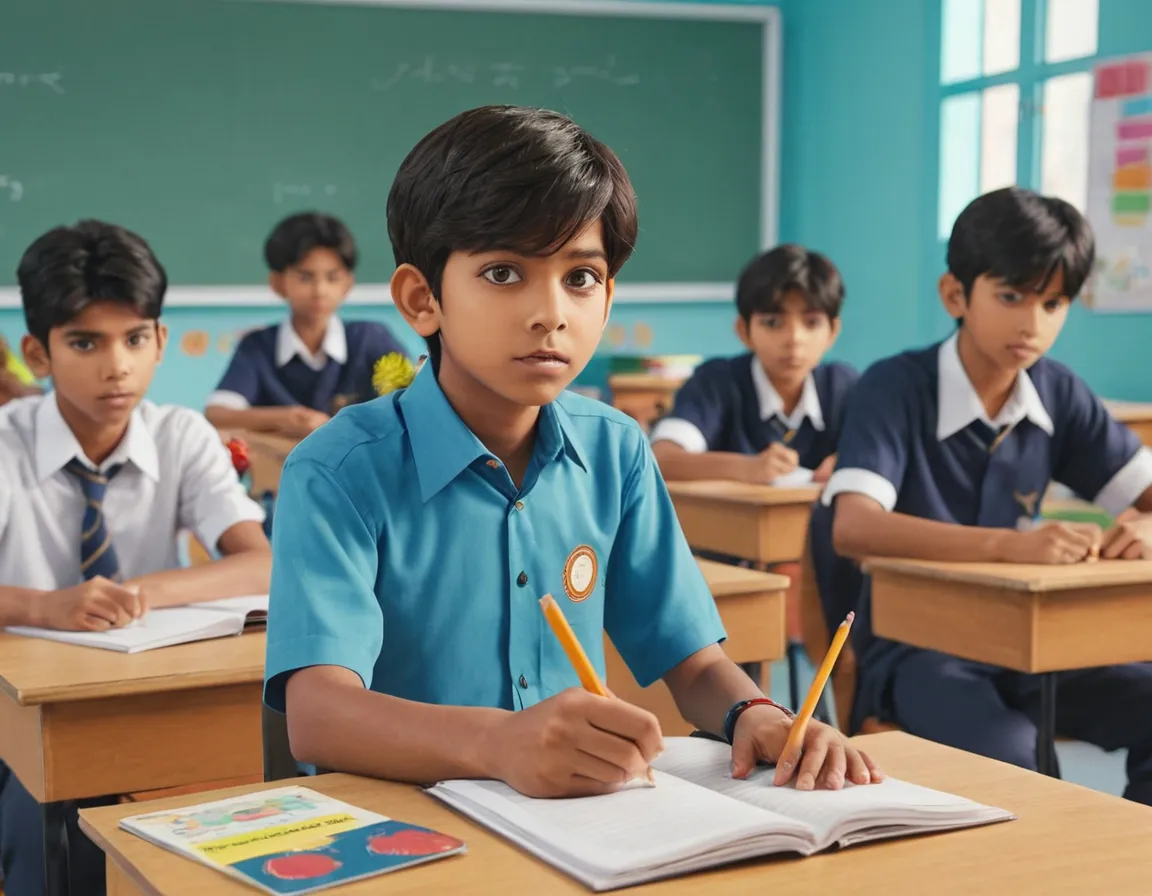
pixel 1120 185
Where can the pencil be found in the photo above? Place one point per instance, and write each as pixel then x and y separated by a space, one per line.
pixel 800 726
pixel 589 680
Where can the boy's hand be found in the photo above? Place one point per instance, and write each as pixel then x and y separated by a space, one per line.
pixel 95 606
pixel 827 760
pixel 575 744
pixel 301 421
pixel 773 462
pixel 1053 543
pixel 1129 539
pixel 824 472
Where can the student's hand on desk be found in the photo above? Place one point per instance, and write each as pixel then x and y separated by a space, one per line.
pixel 301 421
pixel 1129 539
pixel 94 606
pixel 770 464
pixel 575 744
pixel 1052 543
pixel 827 760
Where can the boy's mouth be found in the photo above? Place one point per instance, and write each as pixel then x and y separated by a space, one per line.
pixel 545 359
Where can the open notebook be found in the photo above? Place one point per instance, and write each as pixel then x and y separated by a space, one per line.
pixel 163 628
pixel 697 816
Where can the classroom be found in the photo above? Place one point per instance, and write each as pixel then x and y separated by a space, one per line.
pixel 575 445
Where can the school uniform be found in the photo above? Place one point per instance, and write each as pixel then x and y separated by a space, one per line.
pixel 729 404
pixel 170 472
pixel 918 441
pixel 273 368
pixel 404 552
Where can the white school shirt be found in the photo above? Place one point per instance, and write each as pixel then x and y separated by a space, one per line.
pixel 177 475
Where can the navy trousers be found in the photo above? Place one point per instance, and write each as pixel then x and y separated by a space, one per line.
pixel 993 712
pixel 22 845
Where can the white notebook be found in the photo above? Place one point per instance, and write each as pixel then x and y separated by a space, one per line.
pixel 166 627
pixel 697 816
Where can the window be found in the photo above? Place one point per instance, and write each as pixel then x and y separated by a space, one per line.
pixel 1014 108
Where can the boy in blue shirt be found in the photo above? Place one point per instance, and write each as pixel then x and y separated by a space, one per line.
pixel 946 455
pixel 773 414
pixel 292 377
pixel 416 533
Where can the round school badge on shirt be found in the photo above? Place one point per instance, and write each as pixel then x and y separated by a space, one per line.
pixel 580 573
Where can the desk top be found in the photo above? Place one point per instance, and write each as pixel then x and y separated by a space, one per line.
pixel 33 670
pixel 1024 577
pixel 1130 411
pixel 645 381
pixel 1067 838
pixel 724 579
pixel 743 493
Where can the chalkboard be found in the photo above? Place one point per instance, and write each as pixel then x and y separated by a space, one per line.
pixel 200 123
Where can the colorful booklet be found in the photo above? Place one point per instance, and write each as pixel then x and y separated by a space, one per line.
pixel 292 839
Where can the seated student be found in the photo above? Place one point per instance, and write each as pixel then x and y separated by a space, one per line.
pixel 96 482
pixel 16 380
pixel 946 455
pixel 762 415
pixel 416 533
pixel 292 377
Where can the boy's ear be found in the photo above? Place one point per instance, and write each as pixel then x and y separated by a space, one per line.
pixel 834 331
pixel 413 298
pixel 36 356
pixel 742 332
pixel 161 340
pixel 952 296
pixel 276 281
pixel 610 290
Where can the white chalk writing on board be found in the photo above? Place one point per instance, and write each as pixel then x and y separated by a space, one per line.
pixel 51 80
pixel 501 74
pixel 282 191
pixel 10 188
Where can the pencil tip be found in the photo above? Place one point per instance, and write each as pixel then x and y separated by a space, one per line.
pixel 851 615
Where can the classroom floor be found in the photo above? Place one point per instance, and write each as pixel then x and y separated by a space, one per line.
pixel 1080 763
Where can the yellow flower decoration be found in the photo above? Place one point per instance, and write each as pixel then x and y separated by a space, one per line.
pixel 392 372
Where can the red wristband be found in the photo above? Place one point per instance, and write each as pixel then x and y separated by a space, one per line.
pixel 738 709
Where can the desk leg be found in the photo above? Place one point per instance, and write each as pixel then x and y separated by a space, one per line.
pixel 54 817
pixel 1046 762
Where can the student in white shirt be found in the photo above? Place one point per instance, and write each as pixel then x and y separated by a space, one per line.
pixel 95 483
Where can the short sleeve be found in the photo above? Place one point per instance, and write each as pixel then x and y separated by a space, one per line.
pixel 698 415
pixel 239 388
pixel 658 609
pixel 212 500
pixel 323 609
pixel 1100 458
pixel 873 450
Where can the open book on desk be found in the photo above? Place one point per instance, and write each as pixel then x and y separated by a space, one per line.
pixel 168 626
pixel 697 816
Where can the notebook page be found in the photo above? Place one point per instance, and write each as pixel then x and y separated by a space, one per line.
pixel 157 628
pixel 255 605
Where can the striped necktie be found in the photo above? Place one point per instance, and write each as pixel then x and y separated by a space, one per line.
pixel 97 554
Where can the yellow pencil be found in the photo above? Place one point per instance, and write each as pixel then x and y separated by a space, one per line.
pixel 799 727
pixel 589 680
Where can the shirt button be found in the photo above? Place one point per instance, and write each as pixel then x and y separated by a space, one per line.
pixel 519 505
pixel 522 579
pixel 523 682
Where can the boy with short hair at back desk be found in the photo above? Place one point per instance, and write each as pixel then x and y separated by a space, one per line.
pixel 96 482
pixel 290 378
pixel 776 411
pixel 946 455
pixel 416 533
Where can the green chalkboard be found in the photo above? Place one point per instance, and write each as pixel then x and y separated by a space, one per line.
pixel 200 123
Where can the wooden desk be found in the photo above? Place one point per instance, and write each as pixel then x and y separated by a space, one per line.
pixel 642 396
pixel 1067 839
pixel 80 722
pixel 751 606
pixel 754 522
pixel 1136 415
pixel 1036 619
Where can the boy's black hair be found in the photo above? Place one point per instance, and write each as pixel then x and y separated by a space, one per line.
pixel 506 177
pixel 297 235
pixel 769 277
pixel 68 268
pixel 1022 238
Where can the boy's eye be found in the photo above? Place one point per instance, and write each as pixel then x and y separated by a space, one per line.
pixel 813 321
pixel 501 275
pixel 137 339
pixel 1054 305
pixel 583 279
pixel 770 321
pixel 82 345
pixel 1009 298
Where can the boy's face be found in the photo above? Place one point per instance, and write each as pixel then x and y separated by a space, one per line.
pixel 1011 327
pixel 789 343
pixel 314 287
pixel 101 362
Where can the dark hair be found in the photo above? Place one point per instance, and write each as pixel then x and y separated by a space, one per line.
pixel 1022 238
pixel 506 177
pixel 297 235
pixel 68 268
pixel 769 277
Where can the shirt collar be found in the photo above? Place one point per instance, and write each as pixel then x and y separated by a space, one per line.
pixel 289 345
pixel 55 444
pixel 958 405
pixel 772 405
pixel 443 446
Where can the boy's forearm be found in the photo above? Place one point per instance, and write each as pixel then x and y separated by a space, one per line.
pixel 253 419
pixel 237 575
pixel 678 465
pixel 335 723
pixel 706 685
pixel 862 533
pixel 18 606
